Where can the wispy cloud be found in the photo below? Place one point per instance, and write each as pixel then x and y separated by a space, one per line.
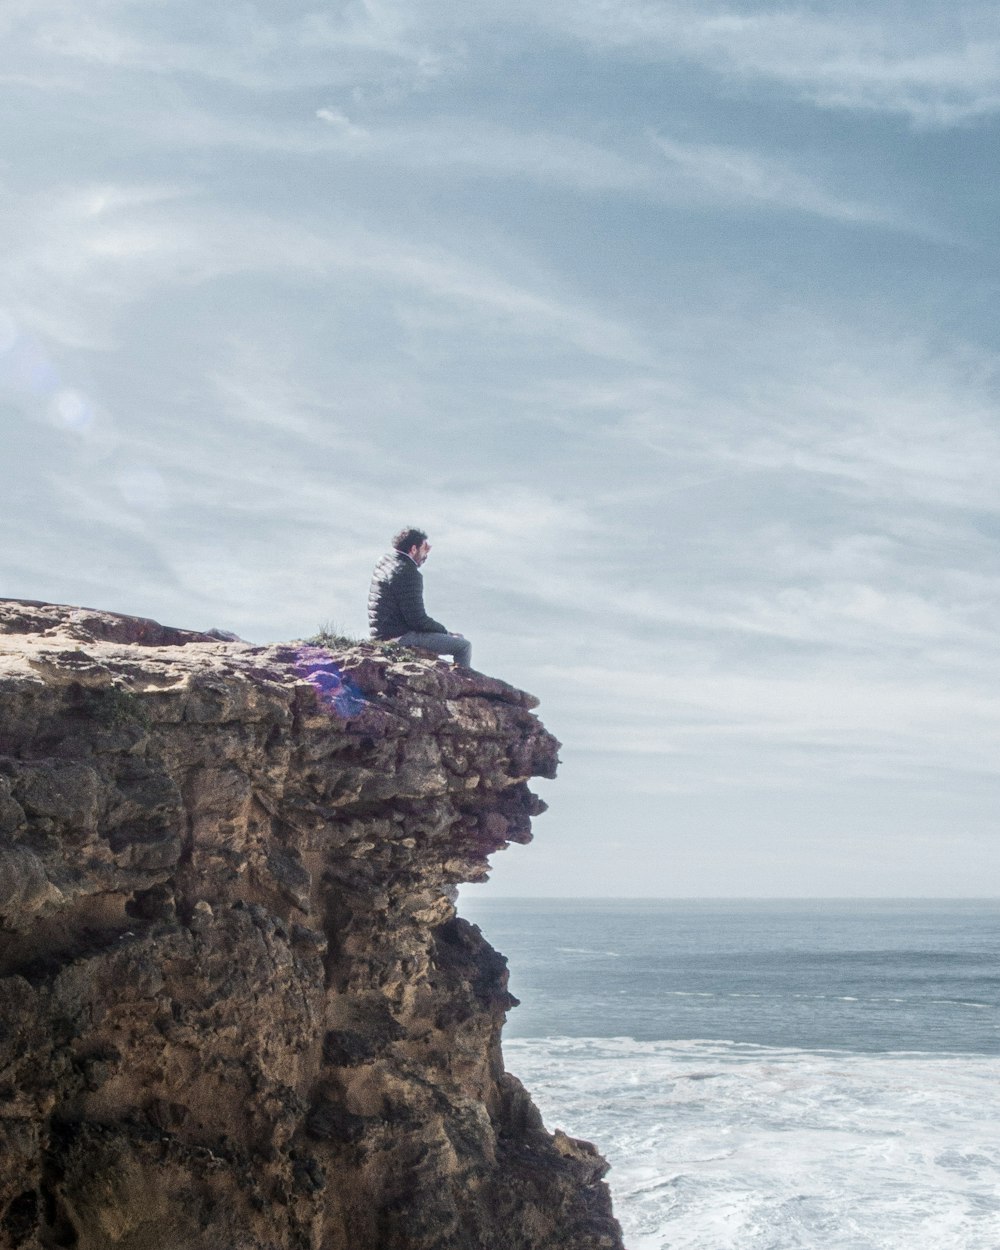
pixel 886 415
pixel 930 66
pixel 88 253
pixel 675 174
pixel 356 125
pixel 925 66
pixel 723 175
pixel 463 142
pixel 875 724
pixel 368 45
pixel 730 175
pixel 80 254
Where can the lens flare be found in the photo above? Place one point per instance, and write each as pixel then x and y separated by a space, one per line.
pixel 33 370
pixel 72 410
pixel 334 691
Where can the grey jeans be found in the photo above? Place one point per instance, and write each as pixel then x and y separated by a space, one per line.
pixel 441 644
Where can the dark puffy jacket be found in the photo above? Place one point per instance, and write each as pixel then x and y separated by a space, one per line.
pixel 396 599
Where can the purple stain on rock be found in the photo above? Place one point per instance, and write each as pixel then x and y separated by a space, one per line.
pixel 334 691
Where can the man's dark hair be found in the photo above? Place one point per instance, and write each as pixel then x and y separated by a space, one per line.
pixel 406 539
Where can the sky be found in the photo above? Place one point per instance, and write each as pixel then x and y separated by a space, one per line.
pixel 674 325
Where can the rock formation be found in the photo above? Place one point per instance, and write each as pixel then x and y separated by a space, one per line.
pixel 238 1010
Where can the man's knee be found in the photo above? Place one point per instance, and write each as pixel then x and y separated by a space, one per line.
pixel 460 649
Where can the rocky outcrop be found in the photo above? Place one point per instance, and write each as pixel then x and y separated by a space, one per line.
pixel 238 1010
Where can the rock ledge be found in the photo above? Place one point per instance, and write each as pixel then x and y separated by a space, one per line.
pixel 237 1008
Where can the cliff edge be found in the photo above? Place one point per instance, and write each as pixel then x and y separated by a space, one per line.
pixel 238 1010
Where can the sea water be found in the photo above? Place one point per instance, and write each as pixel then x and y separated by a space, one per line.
pixel 768 1075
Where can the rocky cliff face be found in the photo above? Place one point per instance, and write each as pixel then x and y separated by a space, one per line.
pixel 237 1008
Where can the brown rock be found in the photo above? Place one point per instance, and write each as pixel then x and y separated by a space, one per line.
pixel 237 1008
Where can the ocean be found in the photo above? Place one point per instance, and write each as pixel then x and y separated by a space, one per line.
pixel 767 1075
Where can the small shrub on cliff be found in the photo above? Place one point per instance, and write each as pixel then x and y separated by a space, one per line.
pixel 333 638
pixel 329 635
pixel 115 706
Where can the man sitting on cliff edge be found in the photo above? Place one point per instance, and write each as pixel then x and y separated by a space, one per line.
pixel 396 602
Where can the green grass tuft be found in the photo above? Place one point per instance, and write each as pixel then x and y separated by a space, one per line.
pixel 329 635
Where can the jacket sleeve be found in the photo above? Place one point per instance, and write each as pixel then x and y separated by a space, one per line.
pixel 410 601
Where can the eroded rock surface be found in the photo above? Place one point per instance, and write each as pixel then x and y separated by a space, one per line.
pixel 237 1008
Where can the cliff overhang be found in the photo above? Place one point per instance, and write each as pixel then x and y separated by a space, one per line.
pixel 237 1006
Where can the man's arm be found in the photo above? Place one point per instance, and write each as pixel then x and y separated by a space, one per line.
pixel 410 601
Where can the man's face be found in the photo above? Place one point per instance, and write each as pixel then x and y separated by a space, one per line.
pixel 420 554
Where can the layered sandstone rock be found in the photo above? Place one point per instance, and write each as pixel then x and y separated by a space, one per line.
pixel 237 1008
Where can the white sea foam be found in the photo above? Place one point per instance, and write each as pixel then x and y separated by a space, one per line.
pixel 724 1146
pixel 585 950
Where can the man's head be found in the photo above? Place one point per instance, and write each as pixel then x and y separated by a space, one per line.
pixel 413 543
